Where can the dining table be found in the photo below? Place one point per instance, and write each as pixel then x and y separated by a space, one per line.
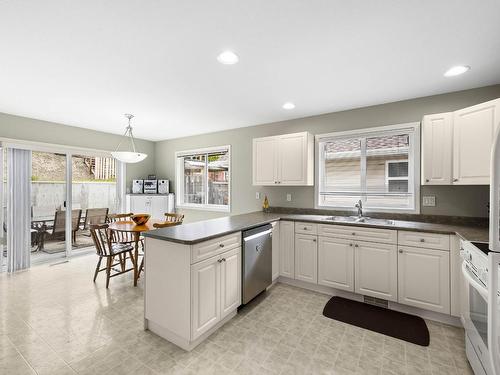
pixel 136 231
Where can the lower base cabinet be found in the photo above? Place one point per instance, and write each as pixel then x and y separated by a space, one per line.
pixel 215 290
pixel 376 270
pixel 276 250
pixel 336 263
pixel 306 258
pixel 424 278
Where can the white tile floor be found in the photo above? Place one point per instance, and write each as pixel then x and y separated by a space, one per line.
pixel 54 320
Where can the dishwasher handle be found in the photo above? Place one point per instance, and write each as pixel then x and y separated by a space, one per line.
pixel 257 235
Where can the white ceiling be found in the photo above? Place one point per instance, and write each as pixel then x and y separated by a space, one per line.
pixel 85 63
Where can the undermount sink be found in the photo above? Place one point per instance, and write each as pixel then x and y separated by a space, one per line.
pixel 364 219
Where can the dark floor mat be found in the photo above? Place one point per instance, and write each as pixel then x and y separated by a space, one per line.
pixel 388 322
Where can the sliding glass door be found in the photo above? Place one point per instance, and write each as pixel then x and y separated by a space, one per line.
pixel 94 196
pixel 60 193
pixel 48 206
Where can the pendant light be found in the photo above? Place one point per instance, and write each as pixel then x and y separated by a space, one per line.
pixel 128 156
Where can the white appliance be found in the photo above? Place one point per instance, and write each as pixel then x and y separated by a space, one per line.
pixel 137 186
pixel 480 268
pixel 163 187
pixel 153 204
pixel 150 186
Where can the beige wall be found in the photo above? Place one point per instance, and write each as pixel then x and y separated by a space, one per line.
pixel 23 128
pixel 450 200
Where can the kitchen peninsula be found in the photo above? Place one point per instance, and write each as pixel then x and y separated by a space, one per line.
pixel 193 271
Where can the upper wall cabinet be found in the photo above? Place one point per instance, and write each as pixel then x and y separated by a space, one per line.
pixel 473 133
pixel 284 160
pixel 437 139
pixel 456 145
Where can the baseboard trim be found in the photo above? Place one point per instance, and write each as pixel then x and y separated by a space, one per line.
pixel 425 314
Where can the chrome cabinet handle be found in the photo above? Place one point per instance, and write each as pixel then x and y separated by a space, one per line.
pixel 314 239
pixel 219 260
pixel 427 180
pixel 356 245
pixel 422 240
pixel 400 251
pixel 221 245
pixel 455 179
pixel 350 244
pixel 223 259
pixel 305 228
pixel 353 233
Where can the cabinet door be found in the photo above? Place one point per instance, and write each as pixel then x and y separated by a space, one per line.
pixel 473 133
pixel 159 206
pixel 265 156
pixel 276 249
pixel 287 249
pixel 230 281
pixel 437 140
pixel 424 278
pixel 336 263
pixel 139 204
pixel 306 258
pixel 293 159
pixel 205 296
pixel 376 270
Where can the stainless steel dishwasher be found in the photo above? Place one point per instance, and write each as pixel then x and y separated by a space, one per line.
pixel 257 261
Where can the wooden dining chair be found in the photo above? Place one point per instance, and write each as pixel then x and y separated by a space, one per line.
pixel 165 224
pixel 121 237
pixel 174 218
pixel 107 249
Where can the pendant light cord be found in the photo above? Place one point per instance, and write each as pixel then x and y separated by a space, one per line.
pixel 128 130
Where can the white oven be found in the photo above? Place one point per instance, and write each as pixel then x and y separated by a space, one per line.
pixel 475 319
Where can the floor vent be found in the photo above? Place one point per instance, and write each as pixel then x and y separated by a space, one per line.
pixel 55 264
pixel 376 301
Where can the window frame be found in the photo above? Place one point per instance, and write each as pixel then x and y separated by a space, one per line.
pixel 412 128
pixel 387 178
pixel 179 177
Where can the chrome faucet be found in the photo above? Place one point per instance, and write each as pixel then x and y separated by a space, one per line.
pixel 359 206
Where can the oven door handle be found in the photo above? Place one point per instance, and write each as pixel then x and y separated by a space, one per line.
pixel 474 282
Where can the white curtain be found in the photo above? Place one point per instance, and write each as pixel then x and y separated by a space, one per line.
pixel 18 209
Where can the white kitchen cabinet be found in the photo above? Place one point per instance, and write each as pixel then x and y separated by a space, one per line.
pixel 473 132
pixel 376 270
pixel 205 292
pixel 265 161
pixel 276 250
pixel 287 249
pixel 230 281
pixel 424 278
pixel 154 205
pixel 286 159
pixel 215 290
pixel 437 141
pixel 306 258
pixel 336 263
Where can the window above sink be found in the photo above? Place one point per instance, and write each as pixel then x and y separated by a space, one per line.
pixel 379 166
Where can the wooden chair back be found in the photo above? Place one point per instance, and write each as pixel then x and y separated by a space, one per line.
pixel 166 224
pixel 117 236
pixel 174 218
pixel 102 239
pixel 95 216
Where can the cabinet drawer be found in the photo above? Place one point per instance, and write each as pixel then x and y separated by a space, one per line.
pixel 424 239
pixel 306 228
pixel 358 233
pixel 207 249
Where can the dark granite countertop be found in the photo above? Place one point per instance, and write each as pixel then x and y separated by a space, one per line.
pixel 192 233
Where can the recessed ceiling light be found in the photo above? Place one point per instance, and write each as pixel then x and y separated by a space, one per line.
pixel 288 105
pixel 456 70
pixel 228 58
